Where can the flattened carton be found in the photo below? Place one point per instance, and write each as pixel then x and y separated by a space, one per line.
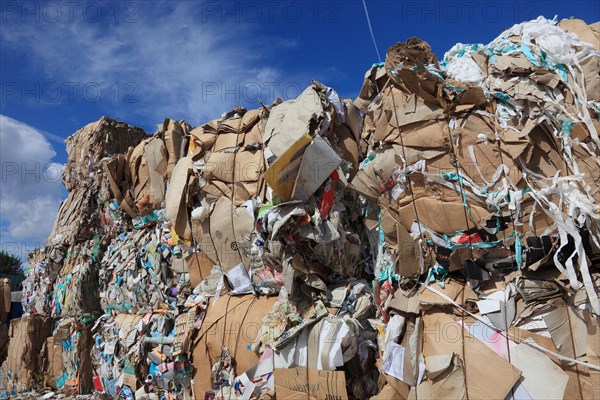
pixel 310 383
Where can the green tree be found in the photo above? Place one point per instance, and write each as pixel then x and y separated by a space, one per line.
pixel 9 264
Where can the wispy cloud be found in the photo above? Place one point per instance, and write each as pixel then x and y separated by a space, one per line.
pixel 168 61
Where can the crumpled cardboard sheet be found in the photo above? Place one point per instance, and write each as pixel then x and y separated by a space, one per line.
pixel 24 363
pixel 228 156
pixel 53 365
pixel 374 81
pixel 137 179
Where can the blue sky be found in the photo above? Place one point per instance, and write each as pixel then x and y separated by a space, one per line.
pixel 64 64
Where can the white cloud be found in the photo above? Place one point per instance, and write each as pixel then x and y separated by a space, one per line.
pixel 30 186
pixel 180 64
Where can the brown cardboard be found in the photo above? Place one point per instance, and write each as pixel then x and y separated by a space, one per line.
pixel 156 159
pixel 249 166
pixel 25 359
pixel 228 224
pixel 412 109
pixel 441 216
pixel 230 125
pixel 227 141
pixel 400 388
pixel 349 148
pixel 453 289
pixel 593 334
pixel 173 136
pixel 406 304
pixel 310 383
pixel 233 167
pixel 54 362
pixel 85 372
pixel 568 330
pixel 203 138
pixel 234 322
pixel 408 261
pixel 176 198
pixel 139 170
pixel 450 384
pixel 199 266
pixel 488 375
pixel 388 393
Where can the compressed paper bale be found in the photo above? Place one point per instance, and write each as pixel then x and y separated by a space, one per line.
pixel 25 360
pixel 77 219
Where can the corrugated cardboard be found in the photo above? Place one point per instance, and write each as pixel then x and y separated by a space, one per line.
pixel 199 266
pixel 228 224
pixel 450 384
pixel 176 198
pixel 488 376
pixel 173 135
pixel 54 362
pixel 291 120
pixel 25 359
pixel 233 322
pixel 310 383
pixel 568 330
